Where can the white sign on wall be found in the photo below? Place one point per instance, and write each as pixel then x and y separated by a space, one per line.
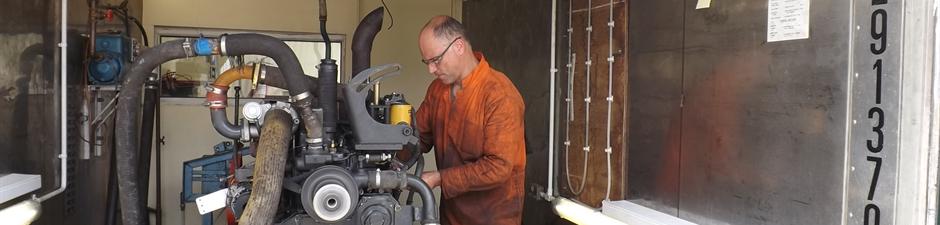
pixel 787 20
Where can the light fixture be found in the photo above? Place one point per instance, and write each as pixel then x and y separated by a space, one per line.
pixel 581 214
pixel 22 213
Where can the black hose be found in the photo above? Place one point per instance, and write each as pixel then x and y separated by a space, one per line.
pixel 259 44
pixel 327 96
pixel 146 140
pixel 111 207
pixel 247 44
pixel 126 127
pixel 427 199
pixel 274 78
pixel 363 38
pixel 419 169
pixel 143 33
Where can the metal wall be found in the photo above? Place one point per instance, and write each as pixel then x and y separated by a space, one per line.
pixel 727 128
pixel 28 99
pixel 29 108
pixel 29 134
pixel 497 28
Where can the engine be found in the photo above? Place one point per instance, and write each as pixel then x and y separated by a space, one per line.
pixel 357 177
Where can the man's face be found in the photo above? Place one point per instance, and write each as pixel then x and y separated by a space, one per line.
pixel 440 56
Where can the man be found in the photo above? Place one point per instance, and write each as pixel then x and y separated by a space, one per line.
pixel 473 115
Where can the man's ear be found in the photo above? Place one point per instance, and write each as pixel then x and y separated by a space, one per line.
pixel 460 46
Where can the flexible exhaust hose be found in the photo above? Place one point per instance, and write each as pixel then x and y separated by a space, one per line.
pixel 363 38
pixel 268 173
pixel 127 124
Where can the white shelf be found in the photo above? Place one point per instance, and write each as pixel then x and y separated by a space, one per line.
pixel 635 214
pixel 15 185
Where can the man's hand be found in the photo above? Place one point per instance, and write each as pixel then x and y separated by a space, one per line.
pixel 432 178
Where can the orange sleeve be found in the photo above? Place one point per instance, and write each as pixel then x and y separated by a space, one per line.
pixel 424 123
pixel 503 148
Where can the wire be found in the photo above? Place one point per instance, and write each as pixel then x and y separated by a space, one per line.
pixel 143 32
pixel 391 20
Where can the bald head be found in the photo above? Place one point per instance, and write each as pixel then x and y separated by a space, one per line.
pixel 446 50
pixel 445 28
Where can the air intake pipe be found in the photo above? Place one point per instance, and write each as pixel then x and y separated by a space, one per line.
pixel 262 74
pixel 128 110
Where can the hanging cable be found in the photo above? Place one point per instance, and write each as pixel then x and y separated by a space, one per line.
pixel 587 90
pixel 391 20
pixel 610 90
pixel 587 84
pixel 571 72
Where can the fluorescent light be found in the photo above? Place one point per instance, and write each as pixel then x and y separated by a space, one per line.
pixel 22 213
pixel 581 214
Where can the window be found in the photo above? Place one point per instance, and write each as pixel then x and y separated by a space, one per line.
pixel 188 77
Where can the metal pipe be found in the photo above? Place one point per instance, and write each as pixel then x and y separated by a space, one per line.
pixel 587 85
pixel 92 26
pixel 159 215
pixel 326 36
pixel 427 198
pixel 223 126
pixel 551 105
pixel 63 103
pixel 610 89
pixel 146 139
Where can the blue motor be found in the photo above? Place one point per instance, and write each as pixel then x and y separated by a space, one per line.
pixel 108 63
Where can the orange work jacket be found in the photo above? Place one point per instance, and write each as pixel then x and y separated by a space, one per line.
pixel 480 146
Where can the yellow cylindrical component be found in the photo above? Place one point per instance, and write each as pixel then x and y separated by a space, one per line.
pixel 399 114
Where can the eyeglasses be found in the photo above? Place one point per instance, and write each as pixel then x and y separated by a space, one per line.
pixel 437 59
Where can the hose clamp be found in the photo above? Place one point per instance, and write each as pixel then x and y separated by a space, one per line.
pixel 188 48
pixel 216 104
pixel 215 90
pixel 257 75
pixel 222 44
pixel 300 97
